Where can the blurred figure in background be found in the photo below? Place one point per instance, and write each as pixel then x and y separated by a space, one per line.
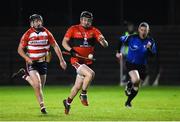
pixel 121 52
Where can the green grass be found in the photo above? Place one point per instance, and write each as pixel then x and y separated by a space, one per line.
pixel 106 103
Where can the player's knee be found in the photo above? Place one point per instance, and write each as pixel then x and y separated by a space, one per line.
pixel 93 74
pixel 135 80
pixel 80 77
pixel 136 84
pixel 90 75
pixel 36 85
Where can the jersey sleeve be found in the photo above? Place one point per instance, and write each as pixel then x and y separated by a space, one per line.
pixel 24 39
pixel 69 32
pixel 51 38
pixel 123 38
pixel 153 47
pixel 97 34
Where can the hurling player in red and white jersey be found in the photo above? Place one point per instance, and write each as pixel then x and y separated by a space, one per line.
pixel 37 41
pixel 80 40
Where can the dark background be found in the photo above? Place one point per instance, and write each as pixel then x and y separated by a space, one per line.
pixel 109 16
pixel 109 12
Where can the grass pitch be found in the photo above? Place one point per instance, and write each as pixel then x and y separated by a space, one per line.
pixel 18 103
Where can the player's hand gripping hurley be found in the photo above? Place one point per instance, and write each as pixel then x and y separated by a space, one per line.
pixel 87 58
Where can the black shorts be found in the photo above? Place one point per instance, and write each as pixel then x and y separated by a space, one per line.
pixel 41 67
pixel 140 68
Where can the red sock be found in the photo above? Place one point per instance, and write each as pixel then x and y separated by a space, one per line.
pixel 69 100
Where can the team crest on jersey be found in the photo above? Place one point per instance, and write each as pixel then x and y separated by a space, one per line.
pixel 91 34
pixel 134 47
pixel 85 43
pixel 78 33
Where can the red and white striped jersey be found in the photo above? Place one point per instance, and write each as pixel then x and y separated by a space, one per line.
pixel 37 44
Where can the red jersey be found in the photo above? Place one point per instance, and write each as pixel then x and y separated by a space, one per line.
pixel 37 44
pixel 83 41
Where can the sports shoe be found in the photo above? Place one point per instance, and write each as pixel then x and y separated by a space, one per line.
pixel 128 105
pixel 43 110
pixel 18 74
pixel 66 106
pixel 83 98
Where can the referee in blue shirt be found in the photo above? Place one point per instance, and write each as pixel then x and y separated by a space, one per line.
pixel 140 47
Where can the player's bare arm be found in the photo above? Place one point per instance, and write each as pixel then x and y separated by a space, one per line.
pixel 119 55
pixel 22 54
pixel 103 42
pixel 59 54
pixel 65 44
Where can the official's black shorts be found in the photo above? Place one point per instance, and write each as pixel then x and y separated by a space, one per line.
pixel 41 67
pixel 140 68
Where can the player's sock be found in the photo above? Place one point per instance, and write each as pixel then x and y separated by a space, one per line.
pixel 84 92
pixel 43 108
pixel 131 97
pixel 83 98
pixel 128 88
pixel 69 100
pixel 129 84
pixel 42 105
pixel 66 106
